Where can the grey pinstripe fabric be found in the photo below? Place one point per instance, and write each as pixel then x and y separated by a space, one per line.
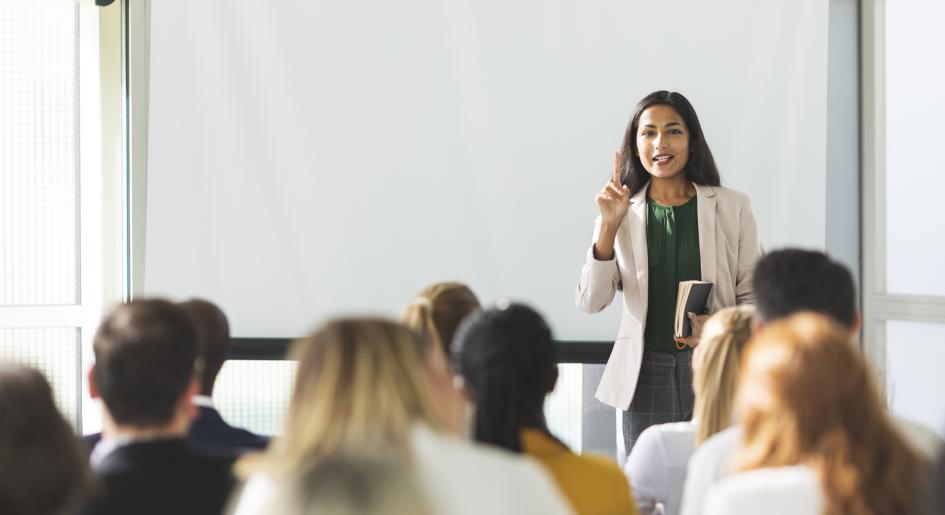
pixel 663 394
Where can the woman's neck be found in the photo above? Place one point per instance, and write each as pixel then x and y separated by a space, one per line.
pixel 671 191
pixel 535 420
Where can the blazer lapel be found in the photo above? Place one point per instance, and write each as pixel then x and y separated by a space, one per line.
pixel 637 227
pixel 707 250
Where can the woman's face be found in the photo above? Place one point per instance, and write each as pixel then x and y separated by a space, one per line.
pixel 662 141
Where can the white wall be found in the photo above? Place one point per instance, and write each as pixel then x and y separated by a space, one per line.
pixel 306 158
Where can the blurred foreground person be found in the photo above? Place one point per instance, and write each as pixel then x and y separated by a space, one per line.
pixel 349 485
pixel 817 439
pixel 145 352
pixel 43 470
pixel 506 358
pixel 372 388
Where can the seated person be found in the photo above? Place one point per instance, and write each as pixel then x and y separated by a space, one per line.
pixel 656 466
pixel 786 282
pixel 209 432
pixel 506 359
pixel 43 470
pixel 816 436
pixel 437 311
pixel 373 388
pixel 144 373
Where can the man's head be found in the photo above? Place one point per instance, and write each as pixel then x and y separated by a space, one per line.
pixel 792 280
pixel 144 363
pixel 213 336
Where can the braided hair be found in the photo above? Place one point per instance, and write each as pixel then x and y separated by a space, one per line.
pixel 507 359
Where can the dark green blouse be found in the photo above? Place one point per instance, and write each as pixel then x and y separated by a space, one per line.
pixel 672 240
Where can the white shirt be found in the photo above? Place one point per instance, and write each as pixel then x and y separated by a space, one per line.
pixel 772 491
pixel 713 459
pixel 656 466
pixel 459 478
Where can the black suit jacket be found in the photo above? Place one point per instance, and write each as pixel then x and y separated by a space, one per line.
pixel 161 477
pixel 209 432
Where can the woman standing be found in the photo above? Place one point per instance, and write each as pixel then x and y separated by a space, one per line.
pixel 664 218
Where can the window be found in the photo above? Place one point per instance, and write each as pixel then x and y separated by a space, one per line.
pixel 53 205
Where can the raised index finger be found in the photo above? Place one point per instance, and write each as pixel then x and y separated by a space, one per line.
pixel 617 168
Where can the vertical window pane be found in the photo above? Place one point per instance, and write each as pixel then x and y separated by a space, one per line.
pixel 915 352
pixel 39 215
pixel 564 407
pixel 55 352
pixel 915 123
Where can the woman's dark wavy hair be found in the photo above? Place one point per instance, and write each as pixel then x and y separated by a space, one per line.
pixel 508 361
pixel 700 168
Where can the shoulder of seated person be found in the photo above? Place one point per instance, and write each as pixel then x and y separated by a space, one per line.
pixel 798 482
pixel 718 447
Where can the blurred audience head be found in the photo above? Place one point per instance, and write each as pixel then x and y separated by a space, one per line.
pixel 506 358
pixel 715 368
pixel 213 339
pixel 437 311
pixel 360 385
pixel 792 280
pixel 806 396
pixel 43 470
pixel 145 352
pixel 351 485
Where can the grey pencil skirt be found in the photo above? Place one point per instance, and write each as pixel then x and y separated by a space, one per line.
pixel 663 394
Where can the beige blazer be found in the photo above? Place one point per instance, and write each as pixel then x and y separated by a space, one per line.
pixel 728 249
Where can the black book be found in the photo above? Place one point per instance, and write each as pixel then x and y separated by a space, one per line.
pixel 691 297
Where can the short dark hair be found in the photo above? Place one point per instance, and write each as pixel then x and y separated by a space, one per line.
pixel 144 361
pixel 700 168
pixel 791 280
pixel 213 339
pixel 508 360
pixel 45 471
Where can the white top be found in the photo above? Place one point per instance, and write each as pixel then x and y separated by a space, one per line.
pixel 772 491
pixel 459 478
pixel 656 466
pixel 713 459
pixel 709 463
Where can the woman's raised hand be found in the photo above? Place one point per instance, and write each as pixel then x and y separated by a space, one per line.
pixel 614 199
pixel 613 202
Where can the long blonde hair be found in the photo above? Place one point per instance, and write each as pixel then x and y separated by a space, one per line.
pixel 715 379
pixel 808 397
pixel 360 386
pixel 437 311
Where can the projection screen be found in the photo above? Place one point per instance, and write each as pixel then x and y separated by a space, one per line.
pixel 314 158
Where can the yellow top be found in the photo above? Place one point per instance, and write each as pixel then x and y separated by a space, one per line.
pixel 594 485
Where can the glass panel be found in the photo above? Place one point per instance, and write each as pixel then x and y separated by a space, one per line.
pixel 255 395
pixel 55 352
pixel 915 122
pixel 564 407
pixel 39 217
pixel 915 352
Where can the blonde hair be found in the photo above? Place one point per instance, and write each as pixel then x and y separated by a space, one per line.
pixel 715 379
pixel 360 386
pixel 808 397
pixel 437 311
